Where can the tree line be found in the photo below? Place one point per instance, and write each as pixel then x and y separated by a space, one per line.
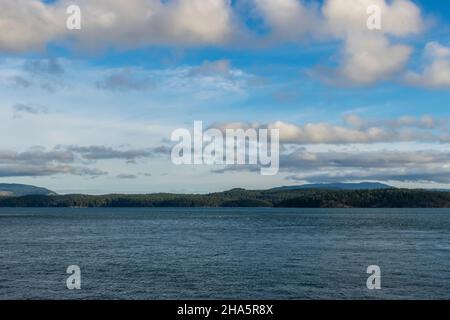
pixel 386 198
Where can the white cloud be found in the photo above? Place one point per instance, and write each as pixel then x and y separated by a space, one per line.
pixel 289 19
pixel 436 71
pixel 327 133
pixel 346 17
pixel 200 20
pixel 369 58
pixel 370 55
pixel 144 22
pixel 28 25
pixel 32 24
pixel 357 130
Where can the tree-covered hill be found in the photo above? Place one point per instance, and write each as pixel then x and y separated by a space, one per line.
pixel 18 190
pixel 311 198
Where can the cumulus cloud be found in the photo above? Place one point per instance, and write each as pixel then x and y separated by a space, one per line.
pixel 28 25
pixel 290 20
pixel 368 56
pixel 371 58
pixel 357 130
pixel 327 133
pixel 398 17
pixel 33 24
pixel 436 70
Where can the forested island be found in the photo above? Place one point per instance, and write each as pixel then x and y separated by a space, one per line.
pixel 300 198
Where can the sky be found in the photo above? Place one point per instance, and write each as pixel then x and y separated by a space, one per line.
pixel 91 110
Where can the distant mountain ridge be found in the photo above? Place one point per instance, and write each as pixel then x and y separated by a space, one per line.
pixel 19 190
pixel 338 186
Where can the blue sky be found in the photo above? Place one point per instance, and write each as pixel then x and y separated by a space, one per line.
pixel 92 110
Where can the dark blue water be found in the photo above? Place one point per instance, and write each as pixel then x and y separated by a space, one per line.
pixel 224 253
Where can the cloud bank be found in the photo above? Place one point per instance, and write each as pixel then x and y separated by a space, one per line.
pixel 364 58
pixel 357 130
